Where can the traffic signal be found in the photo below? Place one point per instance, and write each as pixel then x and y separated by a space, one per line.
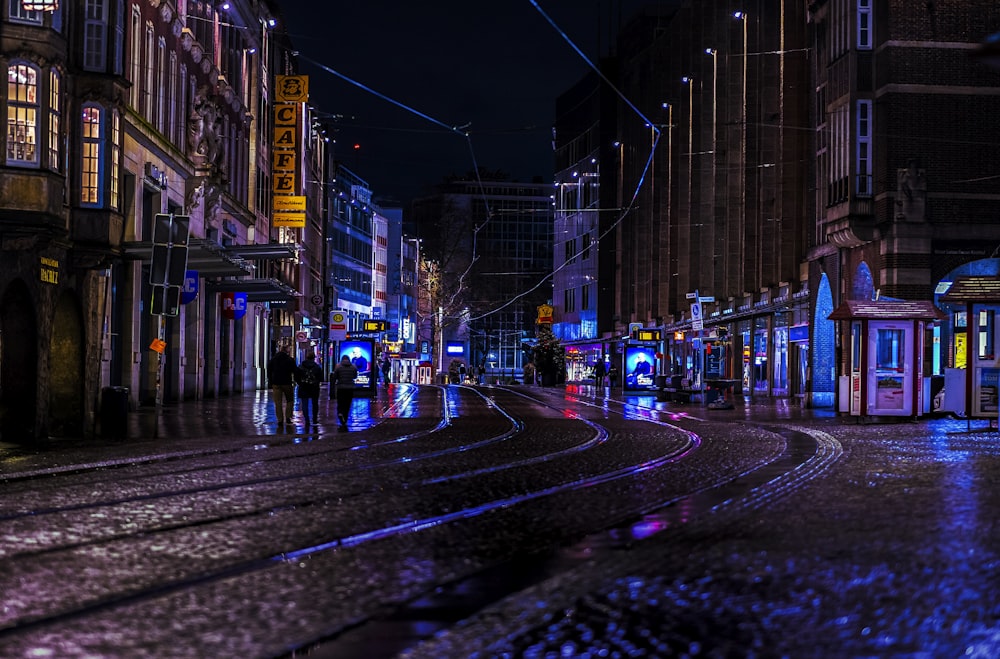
pixel 168 262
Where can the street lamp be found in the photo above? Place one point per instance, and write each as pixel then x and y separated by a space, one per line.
pixel 689 81
pixel 742 17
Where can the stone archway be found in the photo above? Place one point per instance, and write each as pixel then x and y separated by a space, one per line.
pixel 66 369
pixel 18 363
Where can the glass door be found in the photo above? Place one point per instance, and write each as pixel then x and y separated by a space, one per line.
pixel 890 374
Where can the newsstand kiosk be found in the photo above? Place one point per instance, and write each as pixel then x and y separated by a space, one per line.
pixel 977 394
pixel 884 342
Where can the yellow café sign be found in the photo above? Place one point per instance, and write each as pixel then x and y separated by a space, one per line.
pixel 545 312
pixel 288 208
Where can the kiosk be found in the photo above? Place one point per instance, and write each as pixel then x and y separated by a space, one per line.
pixel 885 347
pixel 980 297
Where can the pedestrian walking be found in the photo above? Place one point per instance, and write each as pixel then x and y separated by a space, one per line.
pixel 462 374
pixel 343 379
pixel 308 376
pixel 280 377
pixel 481 373
pixel 599 372
pixel 386 369
pixel 613 376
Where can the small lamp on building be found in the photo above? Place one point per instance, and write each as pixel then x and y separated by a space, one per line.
pixel 39 5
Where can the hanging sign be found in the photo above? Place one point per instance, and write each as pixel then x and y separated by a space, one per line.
pixel 189 291
pixel 234 305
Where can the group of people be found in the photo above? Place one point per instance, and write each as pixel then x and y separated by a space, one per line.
pixel 283 374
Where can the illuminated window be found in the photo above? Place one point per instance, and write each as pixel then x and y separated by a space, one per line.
pixel 90 155
pixel 116 157
pixel 21 15
pixel 22 114
pixel 55 117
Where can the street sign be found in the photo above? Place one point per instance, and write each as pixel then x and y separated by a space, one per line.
pixel 697 322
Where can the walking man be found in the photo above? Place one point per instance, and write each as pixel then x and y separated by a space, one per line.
pixel 343 379
pixel 280 377
pixel 308 376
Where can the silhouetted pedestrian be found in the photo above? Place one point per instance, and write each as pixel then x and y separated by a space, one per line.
pixel 343 379
pixel 308 376
pixel 280 377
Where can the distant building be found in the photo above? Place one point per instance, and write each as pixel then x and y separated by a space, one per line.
pixel 493 243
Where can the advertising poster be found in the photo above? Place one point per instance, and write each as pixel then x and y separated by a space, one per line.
pixel 362 354
pixel 988 381
pixel 640 367
pixel 889 393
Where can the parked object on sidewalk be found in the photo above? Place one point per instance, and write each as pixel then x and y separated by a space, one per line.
pixel 114 412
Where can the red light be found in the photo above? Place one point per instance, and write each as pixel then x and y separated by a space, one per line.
pixel 357 147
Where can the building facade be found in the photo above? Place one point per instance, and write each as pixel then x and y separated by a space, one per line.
pixel 124 118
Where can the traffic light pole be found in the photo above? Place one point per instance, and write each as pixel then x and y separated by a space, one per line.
pixel 161 334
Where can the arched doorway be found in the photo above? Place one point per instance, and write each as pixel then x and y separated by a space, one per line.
pixel 863 287
pixel 66 363
pixel 18 363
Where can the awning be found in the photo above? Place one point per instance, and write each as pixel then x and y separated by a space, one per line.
pixel 887 310
pixel 211 259
pixel 257 290
pixel 968 289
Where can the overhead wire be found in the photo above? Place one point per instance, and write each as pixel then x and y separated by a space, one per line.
pixel 460 130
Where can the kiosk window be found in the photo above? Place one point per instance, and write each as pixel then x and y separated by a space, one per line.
pixel 856 347
pixel 890 349
pixel 987 318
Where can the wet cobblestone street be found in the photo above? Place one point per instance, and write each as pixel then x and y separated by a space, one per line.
pixel 504 522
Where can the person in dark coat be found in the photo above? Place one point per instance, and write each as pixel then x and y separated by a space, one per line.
pixel 308 376
pixel 343 379
pixel 280 377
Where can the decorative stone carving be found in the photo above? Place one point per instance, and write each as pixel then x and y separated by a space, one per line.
pixel 187 39
pixel 911 194
pixel 205 130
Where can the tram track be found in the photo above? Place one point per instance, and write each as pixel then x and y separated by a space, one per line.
pixel 20 623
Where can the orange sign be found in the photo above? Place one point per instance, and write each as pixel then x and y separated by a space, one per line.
pixel 292 89
pixel 158 345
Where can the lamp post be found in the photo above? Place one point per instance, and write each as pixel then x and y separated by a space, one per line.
pixel 689 81
pixel 742 17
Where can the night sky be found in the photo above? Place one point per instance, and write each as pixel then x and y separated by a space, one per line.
pixel 495 65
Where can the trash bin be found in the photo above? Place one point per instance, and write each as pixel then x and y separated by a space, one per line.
pixel 114 411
